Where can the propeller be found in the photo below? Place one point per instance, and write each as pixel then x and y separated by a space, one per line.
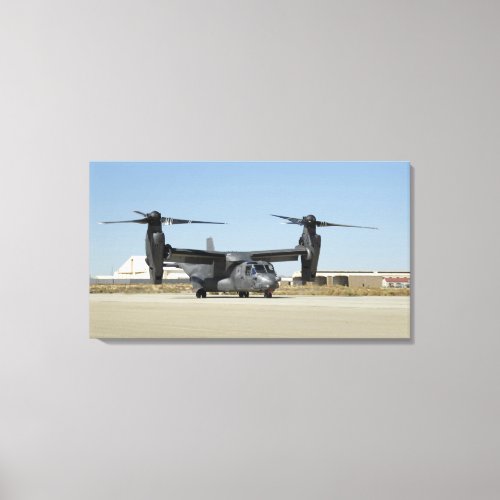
pixel 137 221
pixel 310 220
pixel 155 216
pixel 168 221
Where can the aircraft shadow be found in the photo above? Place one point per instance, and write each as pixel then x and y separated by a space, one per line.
pixel 215 297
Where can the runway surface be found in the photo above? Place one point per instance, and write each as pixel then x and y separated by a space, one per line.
pixel 222 316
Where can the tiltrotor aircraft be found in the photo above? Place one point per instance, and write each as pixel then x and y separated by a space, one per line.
pixel 243 272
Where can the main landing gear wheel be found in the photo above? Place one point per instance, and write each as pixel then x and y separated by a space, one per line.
pixel 268 295
pixel 243 295
pixel 201 293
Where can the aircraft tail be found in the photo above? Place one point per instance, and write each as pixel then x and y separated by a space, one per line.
pixel 210 244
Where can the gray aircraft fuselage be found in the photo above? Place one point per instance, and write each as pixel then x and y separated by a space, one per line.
pixel 247 276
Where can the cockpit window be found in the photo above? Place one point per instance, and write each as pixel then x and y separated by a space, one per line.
pixel 252 269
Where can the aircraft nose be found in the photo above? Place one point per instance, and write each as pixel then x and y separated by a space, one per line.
pixel 267 281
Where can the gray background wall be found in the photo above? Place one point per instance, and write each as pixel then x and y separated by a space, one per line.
pixel 228 80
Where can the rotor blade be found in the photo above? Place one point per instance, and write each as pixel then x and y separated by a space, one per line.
pixel 140 213
pixel 169 221
pixel 292 220
pixel 328 224
pixel 137 221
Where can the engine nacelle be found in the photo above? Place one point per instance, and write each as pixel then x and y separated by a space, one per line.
pixel 155 248
pixel 312 242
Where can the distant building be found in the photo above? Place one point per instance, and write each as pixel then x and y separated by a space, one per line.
pixel 403 282
pixel 135 269
pixel 362 279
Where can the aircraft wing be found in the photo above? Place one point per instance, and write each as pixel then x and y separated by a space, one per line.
pixel 191 256
pixel 279 255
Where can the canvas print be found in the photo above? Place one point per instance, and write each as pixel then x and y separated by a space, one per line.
pixel 268 250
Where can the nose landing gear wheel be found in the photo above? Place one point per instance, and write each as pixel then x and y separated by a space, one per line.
pixel 268 295
pixel 243 295
pixel 201 293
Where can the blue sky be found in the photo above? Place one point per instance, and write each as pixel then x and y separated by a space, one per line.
pixel 243 195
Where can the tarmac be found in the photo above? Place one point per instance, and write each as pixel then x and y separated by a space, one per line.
pixel 179 316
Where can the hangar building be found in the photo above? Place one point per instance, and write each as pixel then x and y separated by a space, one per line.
pixel 135 269
pixel 361 279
